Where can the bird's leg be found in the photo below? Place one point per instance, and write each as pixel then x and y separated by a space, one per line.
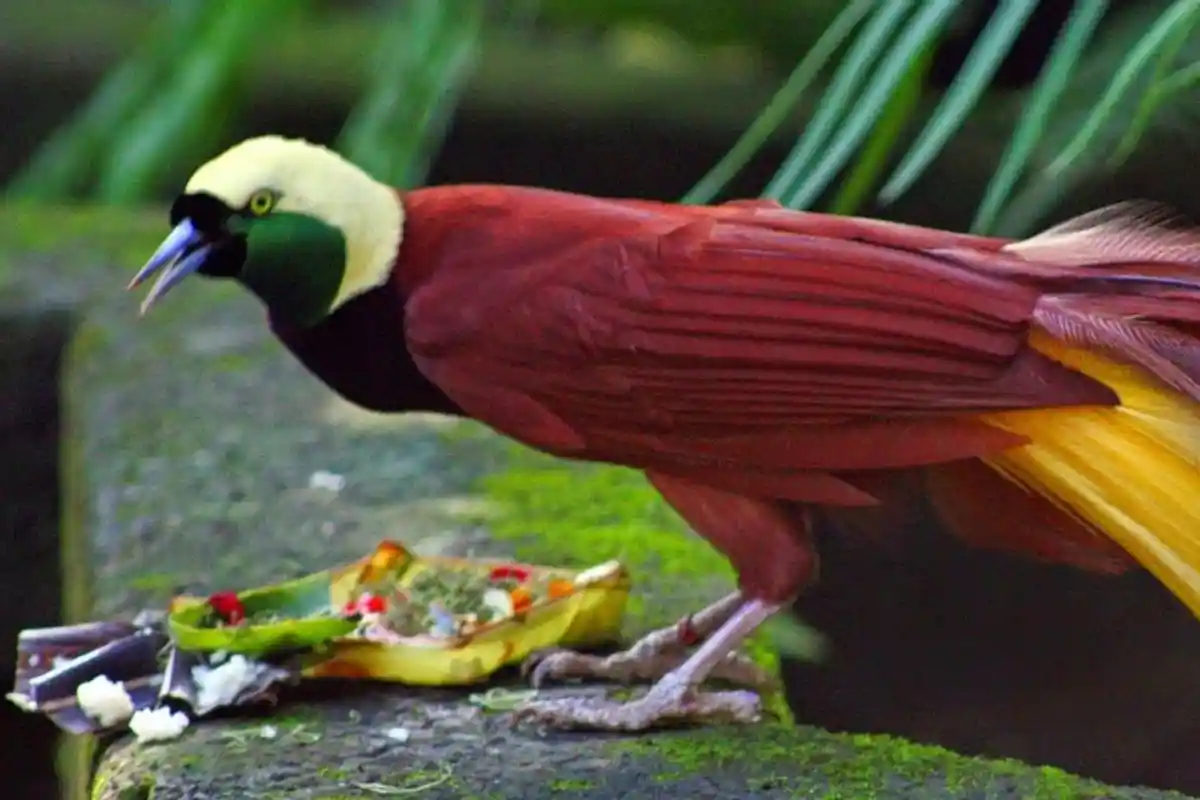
pixel 654 655
pixel 771 549
pixel 675 698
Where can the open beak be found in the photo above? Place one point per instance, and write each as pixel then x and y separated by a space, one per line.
pixel 183 252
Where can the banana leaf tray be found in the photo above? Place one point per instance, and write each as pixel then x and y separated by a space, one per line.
pixel 390 616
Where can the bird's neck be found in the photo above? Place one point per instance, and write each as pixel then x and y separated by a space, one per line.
pixel 359 352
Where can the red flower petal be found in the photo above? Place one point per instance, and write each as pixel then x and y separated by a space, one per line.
pixel 374 604
pixel 228 606
pixel 510 571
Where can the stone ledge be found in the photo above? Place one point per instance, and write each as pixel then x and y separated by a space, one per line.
pixel 342 749
pixel 191 437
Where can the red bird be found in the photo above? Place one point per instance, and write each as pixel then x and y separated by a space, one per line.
pixel 758 364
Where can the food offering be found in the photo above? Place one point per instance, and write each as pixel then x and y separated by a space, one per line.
pixel 390 616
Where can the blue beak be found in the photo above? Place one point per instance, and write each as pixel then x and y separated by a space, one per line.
pixel 183 252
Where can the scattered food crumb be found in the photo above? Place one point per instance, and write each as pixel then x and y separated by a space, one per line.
pixel 328 481
pixel 268 732
pixel 400 735
pixel 303 735
pixel 158 724
pixel 499 698
pixel 220 686
pixel 104 701
pixel 445 773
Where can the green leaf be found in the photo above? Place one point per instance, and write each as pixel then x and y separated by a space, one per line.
pixel 294 599
pixel 1076 33
pixel 921 30
pixel 425 56
pixel 839 96
pixel 65 164
pixel 773 115
pixel 191 108
pixel 781 28
pixel 1180 80
pixel 1162 87
pixel 861 181
pixel 1182 13
pixel 976 74
pixel 793 638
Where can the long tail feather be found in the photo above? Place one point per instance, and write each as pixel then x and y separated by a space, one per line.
pixel 1122 306
pixel 1131 471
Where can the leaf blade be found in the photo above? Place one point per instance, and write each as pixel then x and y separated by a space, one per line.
pixel 863 53
pixel 773 115
pixel 1182 12
pixel 1085 17
pixel 928 23
pixel 985 58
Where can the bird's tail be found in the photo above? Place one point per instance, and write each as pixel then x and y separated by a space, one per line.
pixel 1130 472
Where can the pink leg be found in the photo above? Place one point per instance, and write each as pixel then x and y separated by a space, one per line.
pixel 771 550
pixel 654 655
pixel 675 698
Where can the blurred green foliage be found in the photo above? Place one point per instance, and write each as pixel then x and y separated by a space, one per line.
pixel 780 29
pixel 424 57
pixel 875 124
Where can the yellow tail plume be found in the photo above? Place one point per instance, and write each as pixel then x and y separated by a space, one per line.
pixel 1132 471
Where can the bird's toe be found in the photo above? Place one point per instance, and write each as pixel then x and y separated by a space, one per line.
pixel 556 664
pixel 664 706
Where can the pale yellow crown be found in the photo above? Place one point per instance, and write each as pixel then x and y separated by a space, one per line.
pixel 314 180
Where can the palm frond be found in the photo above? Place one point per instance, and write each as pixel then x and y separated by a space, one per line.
pixel 1180 16
pixel 1116 67
pixel 923 28
pixel 62 167
pixel 863 178
pixel 968 87
pixel 424 58
pixel 839 96
pixel 1164 84
pixel 774 113
pixel 1085 18
pixel 190 109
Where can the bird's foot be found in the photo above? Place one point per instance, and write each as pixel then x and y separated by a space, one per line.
pixel 670 703
pixel 633 665
pixel 654 655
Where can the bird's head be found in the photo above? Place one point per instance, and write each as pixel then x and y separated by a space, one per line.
pixel 297 224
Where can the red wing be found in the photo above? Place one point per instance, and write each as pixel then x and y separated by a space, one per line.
pixel 729 345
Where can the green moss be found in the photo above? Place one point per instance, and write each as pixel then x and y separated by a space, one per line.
pixel 570 785
pixel 162 582
pixel 108 232
pixel 99 784
pixel 803 760
pixel 579 514
pixel 559 512
pixel 142 790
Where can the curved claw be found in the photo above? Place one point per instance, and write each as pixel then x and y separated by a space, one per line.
pixel 529 665
pixel 549 664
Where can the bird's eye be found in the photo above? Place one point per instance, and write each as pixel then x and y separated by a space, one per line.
pixel 261 202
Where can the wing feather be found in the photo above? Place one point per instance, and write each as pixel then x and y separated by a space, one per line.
pixel 732 342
